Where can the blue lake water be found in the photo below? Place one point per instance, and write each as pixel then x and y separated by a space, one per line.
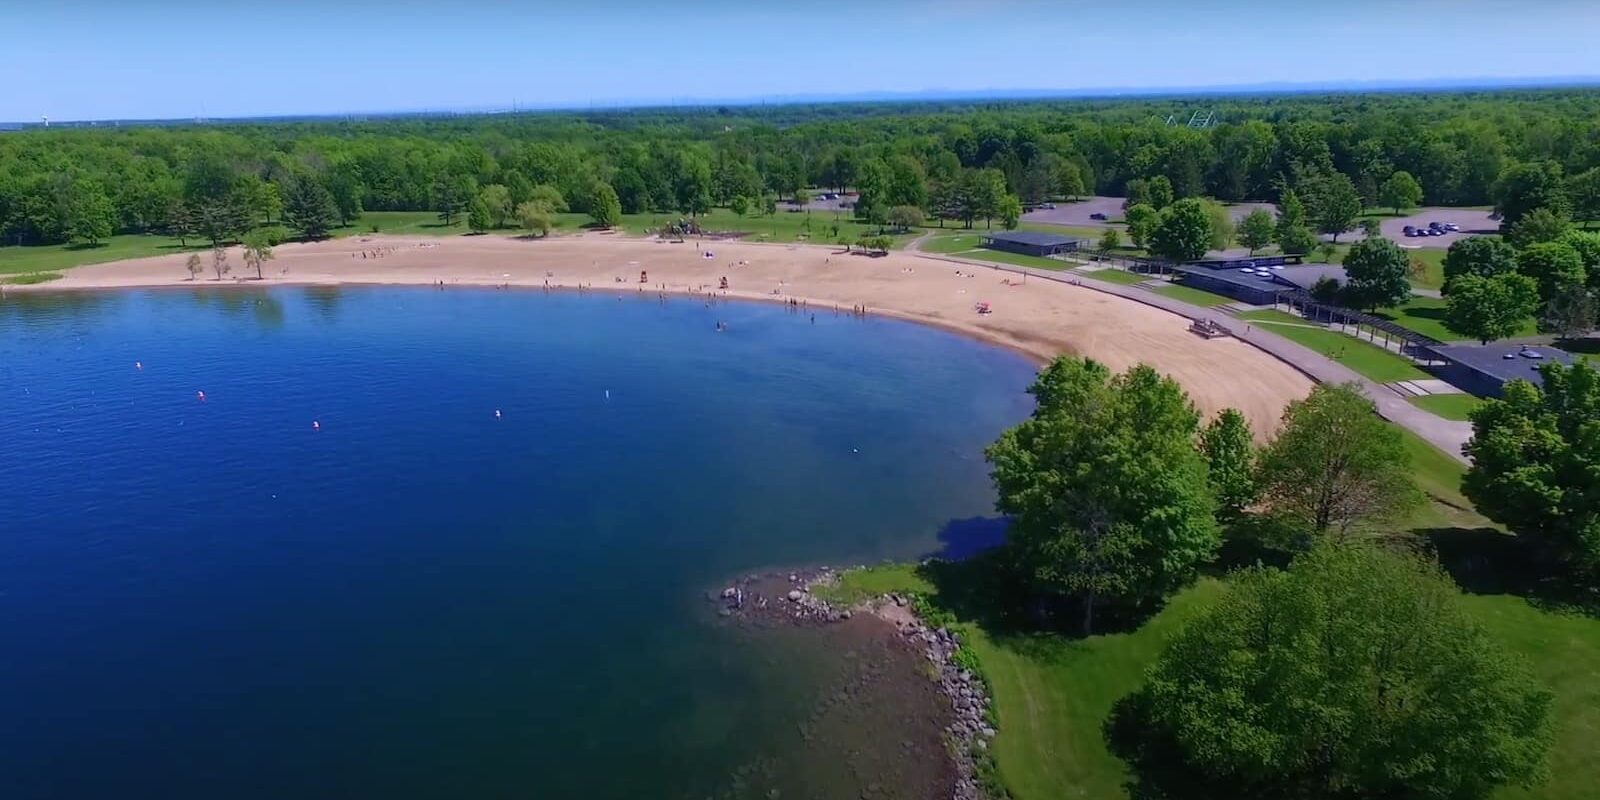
pixel 420 599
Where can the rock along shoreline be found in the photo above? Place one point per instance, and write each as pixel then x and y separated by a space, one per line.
pixel 791 598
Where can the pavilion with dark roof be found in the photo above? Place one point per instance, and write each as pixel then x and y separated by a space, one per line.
pixel 1031 243
pixel 1484 370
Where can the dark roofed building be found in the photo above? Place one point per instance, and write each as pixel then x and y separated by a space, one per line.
pixel 1308 275
pixel 1484 370
pixel 1250 287
pixel 1032 243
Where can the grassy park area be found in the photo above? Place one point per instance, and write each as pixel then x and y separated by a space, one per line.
pixel 1053 692
pixel 1449 406
pixel 1370 360
pixel 1193 296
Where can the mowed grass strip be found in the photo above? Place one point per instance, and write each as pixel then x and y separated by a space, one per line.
pixel 1369 360
pixel 1450 406
pixel 1193 296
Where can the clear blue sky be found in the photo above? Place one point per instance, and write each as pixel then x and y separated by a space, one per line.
pixel 100 59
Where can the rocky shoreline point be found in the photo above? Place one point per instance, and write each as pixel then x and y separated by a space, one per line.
pixel 790 598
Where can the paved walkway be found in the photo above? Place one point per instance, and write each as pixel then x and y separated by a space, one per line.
pixel 1447 435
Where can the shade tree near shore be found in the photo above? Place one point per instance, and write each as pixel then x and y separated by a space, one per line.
pixel 1335 467
pixel 1356 673
pixel 257 250
pixel 1110 505
pixel 1230 451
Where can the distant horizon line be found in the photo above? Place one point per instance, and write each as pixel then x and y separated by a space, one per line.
pixel 868 96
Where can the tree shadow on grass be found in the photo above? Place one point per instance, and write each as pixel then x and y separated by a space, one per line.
pixel 1489 562
pixel 76 247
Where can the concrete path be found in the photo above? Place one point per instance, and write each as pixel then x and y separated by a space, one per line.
pixel 1447 435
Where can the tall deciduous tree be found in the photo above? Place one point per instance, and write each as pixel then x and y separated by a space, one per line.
pixel 1184 232
pixel 1335 465
pixel 1357 673
pixel 1377 274
pixel 497 198
pixel 1334 204
pixel 1230 452
pixel 1010 212
pixel 194 266
pixel 1538 225
pixel 605 208
pixel 1106 489
pixel 1557 266
pixel 1400 191
pixel 1491 308
pixel 479 217
pixel 1522 188
pixel 1142 221
pixel 534 217
pixel 1583 193
pixel 1294 234
pixel 1536 465
pixel 257 250
pixel 219 262
pixel 1485 256
pixel 90 217
pixel 309 208
pixel 1256 230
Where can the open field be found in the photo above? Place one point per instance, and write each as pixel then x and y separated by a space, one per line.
pixel 1369 360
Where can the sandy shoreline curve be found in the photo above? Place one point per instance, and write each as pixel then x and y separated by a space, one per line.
pixel 1038 318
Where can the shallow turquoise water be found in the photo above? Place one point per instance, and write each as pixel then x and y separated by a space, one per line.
pixel 420 599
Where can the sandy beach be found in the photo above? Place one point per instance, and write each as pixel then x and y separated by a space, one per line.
pixel 1039 318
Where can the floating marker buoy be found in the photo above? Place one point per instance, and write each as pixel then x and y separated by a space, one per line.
pixel 497 413
pixel 315 425
pixel 201 396
pixel 608 394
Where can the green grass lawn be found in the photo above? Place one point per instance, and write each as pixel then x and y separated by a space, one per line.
pixel 1449 406
pixel 48 258
pixel 1052 693
pixel 1432 275
pixel 1425 315
pixel 29 278
pixel 1114 275
pixel 951 243
pixel 1194 297
pixel 1369 360
pixel 1014 259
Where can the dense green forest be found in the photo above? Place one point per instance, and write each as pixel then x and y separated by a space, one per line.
pixel 953 160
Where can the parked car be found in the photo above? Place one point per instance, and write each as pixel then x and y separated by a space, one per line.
pixel 1410 230
pixel 1099 216
pixel 1452 227
pixel 1050 206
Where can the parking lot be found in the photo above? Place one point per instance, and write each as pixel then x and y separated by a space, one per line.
pixel 1471 221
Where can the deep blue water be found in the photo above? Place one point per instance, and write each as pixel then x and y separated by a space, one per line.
pixel 212 599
